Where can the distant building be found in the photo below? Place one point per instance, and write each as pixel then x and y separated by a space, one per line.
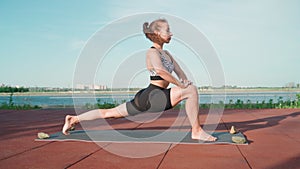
pixel 90 87
pixel 290 85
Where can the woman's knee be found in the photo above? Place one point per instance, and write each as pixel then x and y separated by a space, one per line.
pixel 179 94
pixel 104 113
pixel 107 113
pixel 192 89
pixel 189 91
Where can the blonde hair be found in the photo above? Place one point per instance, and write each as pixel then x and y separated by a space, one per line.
pixel 149 30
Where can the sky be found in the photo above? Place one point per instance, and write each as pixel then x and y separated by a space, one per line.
pixel 257 42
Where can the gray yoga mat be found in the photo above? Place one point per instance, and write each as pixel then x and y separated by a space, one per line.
pixel 140 136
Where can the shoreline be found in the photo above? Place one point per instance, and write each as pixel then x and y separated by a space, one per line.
pixel 200 91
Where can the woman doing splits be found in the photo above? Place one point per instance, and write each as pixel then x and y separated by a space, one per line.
pixel 156 97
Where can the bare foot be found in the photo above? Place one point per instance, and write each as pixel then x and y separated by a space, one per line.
pixel 69 124
pixel 202 135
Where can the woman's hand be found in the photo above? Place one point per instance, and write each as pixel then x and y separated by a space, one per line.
pixel 184 83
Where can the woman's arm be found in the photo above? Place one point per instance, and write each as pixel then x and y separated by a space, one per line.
pixel 177 69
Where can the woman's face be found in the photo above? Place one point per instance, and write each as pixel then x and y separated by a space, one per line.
pixel 165 33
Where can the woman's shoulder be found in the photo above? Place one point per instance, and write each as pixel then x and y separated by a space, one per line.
pixel 152 51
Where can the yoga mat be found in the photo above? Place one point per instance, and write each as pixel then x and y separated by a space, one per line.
pixel 139 136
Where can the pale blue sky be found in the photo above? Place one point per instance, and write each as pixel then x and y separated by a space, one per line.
pixel 257 41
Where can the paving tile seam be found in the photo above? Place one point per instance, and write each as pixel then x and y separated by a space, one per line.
pixel 183 122
pixel 244 157
pixel 138 126
pixel 27 150
pixel 162 159
pixel 238 147
pixel 225 124
pixel 102 148
pixel 86 156
pixel 83 158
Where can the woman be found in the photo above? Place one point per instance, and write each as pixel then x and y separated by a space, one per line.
pixel 156 97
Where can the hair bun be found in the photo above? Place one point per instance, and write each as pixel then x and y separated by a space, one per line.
pixel 146 28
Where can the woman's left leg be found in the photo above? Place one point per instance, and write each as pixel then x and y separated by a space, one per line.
pixel 192 109
pixel 117 112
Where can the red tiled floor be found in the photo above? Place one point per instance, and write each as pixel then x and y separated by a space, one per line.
pixel 273 133
pixel 107 160
pixel 204 156
pixel 53 155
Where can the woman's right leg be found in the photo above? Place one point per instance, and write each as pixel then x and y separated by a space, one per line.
pixel 117 112
pixel 192 109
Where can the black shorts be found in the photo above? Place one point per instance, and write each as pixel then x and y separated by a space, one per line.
pixel 151 99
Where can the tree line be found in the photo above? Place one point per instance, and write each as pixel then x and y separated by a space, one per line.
pixel 9 89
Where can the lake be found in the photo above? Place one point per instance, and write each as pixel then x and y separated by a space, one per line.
pixel 69 100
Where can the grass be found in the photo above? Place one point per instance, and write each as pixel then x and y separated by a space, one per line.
pixel 239 104
pixel 100 105
pixel 11 105
pixel 6 106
